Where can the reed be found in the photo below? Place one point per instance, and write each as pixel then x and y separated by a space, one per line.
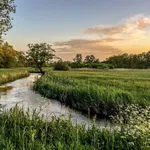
pixel 9 75
pixel 101 92
pixel 20 130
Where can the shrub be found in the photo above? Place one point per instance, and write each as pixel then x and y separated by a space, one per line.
pixel 99 66
pixel 60 65
pixel 75 65
pixel 92 65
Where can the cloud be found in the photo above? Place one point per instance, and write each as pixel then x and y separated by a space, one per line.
pixel 129 26
pixel 139 20
pixel 114 39
pixel 105 29
pixel 75 42
pixel 86 46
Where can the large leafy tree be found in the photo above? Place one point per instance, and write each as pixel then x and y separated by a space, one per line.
pixel 9 57
pixel 6 8
pixel 40 54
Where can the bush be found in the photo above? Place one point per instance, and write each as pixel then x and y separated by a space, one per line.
pixel 92 65
pixel 61 66
pixel 99 66
pixel 75 65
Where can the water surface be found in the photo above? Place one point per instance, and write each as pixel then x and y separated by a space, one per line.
pixel 22 94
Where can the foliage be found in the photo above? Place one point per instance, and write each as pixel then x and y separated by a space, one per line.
pixel 91 59
pixel 39 54
pixel 78 59
pixel 99 66
pixel 101 92
pixel 130 60
pixel 25 130
pixel 8 75
pixel 60 65
pixel 6 8
pixel 134 125
pixel 10 57
pixel 91 65
pixel 89 62
pixel 76 65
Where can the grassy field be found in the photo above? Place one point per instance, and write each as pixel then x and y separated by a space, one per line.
pixel 8 75
pixel 101 92
pixel 21 130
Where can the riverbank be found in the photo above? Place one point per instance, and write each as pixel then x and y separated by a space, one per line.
pixel 25 130
pixel 9 75
pixel 21 92
pixel 99 92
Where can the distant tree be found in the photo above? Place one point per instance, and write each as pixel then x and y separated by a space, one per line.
pixel 6 8
pixel 78 59
pixel 60 65
pixel 147 58
pixel 91 59
pixel 130 60
pixel 39 54
pixel 96 60
pixel 21 59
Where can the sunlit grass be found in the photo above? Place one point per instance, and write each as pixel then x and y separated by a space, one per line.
pixel 8 75
pixel 101 92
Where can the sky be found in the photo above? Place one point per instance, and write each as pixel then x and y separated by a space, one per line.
pixel 99 27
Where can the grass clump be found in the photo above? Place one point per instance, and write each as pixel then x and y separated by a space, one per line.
pixel 9 75
pixel 100 92
pixel 27 131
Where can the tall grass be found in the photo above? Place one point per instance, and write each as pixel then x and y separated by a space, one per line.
pixel 8 75
pixel 100 92
pixel 21 130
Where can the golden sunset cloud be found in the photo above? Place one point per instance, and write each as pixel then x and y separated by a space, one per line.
pixel 129 36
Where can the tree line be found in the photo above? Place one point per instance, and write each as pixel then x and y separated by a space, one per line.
pixel 41 54
pixel 139 61
pixel 90 61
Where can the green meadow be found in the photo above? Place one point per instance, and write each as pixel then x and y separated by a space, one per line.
pixel 100 92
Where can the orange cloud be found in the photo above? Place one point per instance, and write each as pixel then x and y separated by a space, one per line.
pixel 143 23
pixel 75 42
pixel 84 46
pixel 129 26
pixel 106 30
pixel 130 35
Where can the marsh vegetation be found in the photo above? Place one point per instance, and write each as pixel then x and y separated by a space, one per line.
pixel 8 75
pixel 26 130
pixel 100 92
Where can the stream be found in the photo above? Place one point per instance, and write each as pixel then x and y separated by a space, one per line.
pixel 20 92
